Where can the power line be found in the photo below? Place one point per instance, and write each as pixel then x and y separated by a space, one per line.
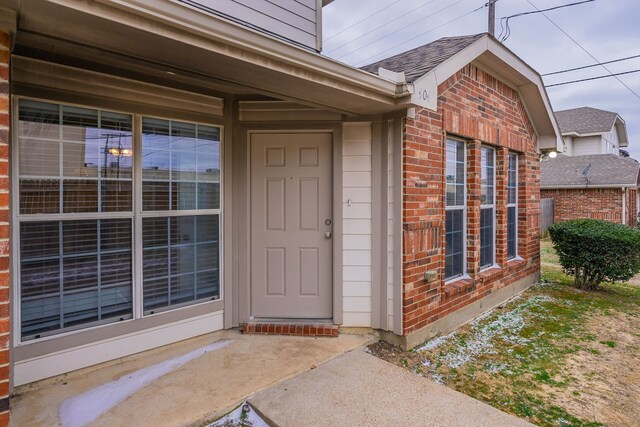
pixel 506 30
pixel 384 25
pixel 362 20
pixel 365 61
pixel 585 50
pixel 594 78
pixel 395 31
pixel 591 66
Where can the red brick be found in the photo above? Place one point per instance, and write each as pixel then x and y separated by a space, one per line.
pixel 479 107
pixel 596 203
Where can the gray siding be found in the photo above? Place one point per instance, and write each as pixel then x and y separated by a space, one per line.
pixel 294 20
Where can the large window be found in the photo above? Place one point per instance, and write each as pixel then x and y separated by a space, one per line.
pixel 78 171
pixel 455 210
pixel 487 208
pixel 181 200
pixel 512 207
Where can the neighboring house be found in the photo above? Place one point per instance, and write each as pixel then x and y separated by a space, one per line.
pixel 603 186
pixel 180 167
pixel 588 131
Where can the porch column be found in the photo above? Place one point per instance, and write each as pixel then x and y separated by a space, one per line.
pixel 4 225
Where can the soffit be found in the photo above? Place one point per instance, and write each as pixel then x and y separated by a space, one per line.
pixel 265 66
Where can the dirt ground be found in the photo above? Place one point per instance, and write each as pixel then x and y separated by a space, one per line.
pixel 606 385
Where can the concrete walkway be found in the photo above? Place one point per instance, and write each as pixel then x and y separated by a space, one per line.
pixel 358 389
pixel 294 381
pixel 203 389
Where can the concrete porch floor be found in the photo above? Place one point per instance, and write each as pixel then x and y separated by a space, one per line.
pixel 201 390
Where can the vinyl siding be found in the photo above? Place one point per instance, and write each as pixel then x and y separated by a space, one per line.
pixel 568 142
pixel 295 20
pixel 587 145
pixel 357 265
pixel 612 138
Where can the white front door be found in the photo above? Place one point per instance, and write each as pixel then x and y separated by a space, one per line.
pixel 291 225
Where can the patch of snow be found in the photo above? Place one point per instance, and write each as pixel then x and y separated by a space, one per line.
pixel 494 368
pixel 437 342
pixel 80 410
pixel 427 363
pixel 482 317
pixel 438 378
pixel 243 415
pixel 506 325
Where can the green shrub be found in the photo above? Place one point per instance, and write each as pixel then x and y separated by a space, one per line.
pixel 595 251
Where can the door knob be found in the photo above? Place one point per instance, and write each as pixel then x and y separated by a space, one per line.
pixel 327 235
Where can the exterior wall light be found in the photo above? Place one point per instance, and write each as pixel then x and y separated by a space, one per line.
pixel 548 155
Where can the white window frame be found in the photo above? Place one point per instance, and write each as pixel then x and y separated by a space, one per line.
pixel 513 205
pixel 462 207
pixel 141 214
pixel 492 205
pixel 135 215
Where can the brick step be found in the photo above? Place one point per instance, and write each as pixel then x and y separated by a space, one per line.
pixel 293 328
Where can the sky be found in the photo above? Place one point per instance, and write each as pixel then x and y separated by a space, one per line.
pixel 359 32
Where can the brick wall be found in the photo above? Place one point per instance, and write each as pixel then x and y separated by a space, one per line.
pixel 632 206
pixel 4 228
pixel 474 106
pixel 596 203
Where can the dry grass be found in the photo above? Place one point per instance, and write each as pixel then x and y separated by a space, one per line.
pixel 556 356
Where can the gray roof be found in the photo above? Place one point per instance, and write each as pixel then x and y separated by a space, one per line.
pixel 585 120
pixel 419 61
pixel 606 170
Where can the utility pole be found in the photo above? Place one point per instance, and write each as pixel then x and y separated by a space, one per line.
pixel 492 17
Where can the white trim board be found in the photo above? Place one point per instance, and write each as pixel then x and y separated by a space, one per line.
pixel 61 362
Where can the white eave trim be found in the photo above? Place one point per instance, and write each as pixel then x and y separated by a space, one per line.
pixel 621 128
pixel 582 135
pixel 178 15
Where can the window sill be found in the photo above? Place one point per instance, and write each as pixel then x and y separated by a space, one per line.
pixel 459 286
pixel 515 263
pixel 490 272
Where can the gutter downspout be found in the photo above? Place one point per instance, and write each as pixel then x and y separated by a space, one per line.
pixel 624 206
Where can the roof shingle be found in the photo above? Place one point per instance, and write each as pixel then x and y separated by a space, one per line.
pixel 419 61
pixel 605 170
pixel 585 120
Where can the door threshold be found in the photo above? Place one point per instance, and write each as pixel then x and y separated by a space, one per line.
pixel 294 327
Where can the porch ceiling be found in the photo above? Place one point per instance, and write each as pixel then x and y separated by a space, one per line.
pixel 169 43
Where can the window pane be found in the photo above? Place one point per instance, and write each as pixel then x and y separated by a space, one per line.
pixel 487 176
pixel 155 195
pixel 208 195
pixel 80 196
pixel 83 146
pixel 454 243
pixel 183 195
pixel 486 237
pixel 455 173
pixel 181 165
pixel 512 232
pixel 74 273
pixel 38 157
pixel 512 185
pixel 116 196
pixel 180 261
pixel 39 196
